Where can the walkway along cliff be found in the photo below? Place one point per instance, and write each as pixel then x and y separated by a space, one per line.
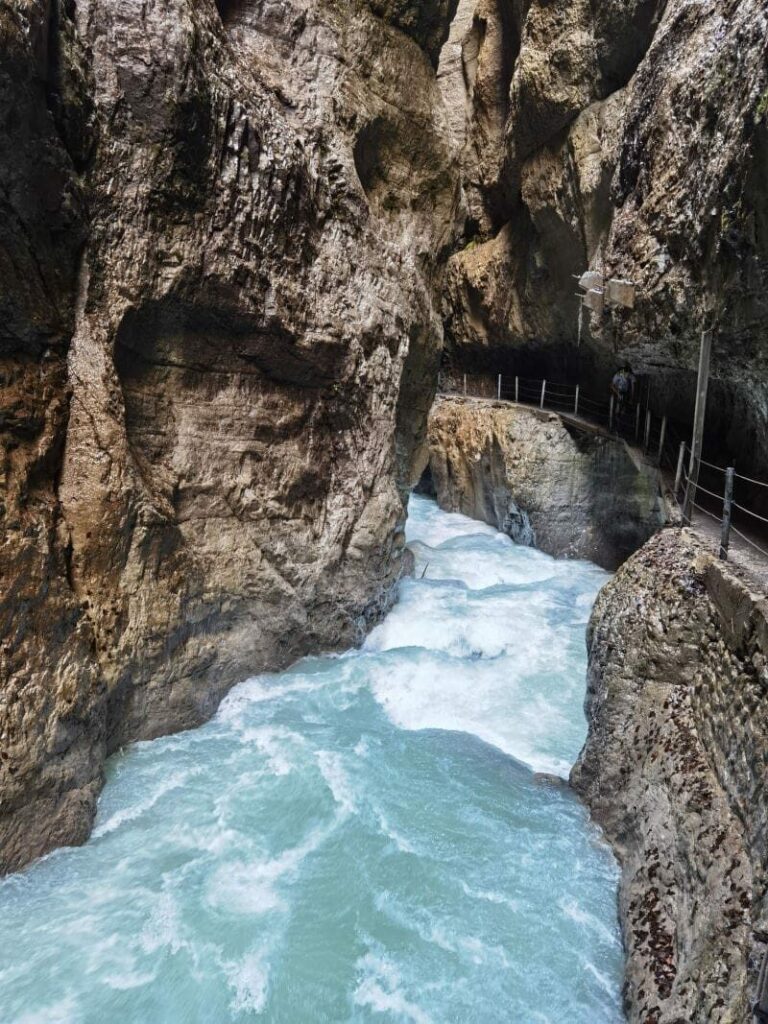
pixel 569 490
pixel 236 238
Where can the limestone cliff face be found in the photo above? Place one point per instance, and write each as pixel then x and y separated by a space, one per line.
pixel 570 492
pixel 630 138
pixel 223 227
pixel 675 771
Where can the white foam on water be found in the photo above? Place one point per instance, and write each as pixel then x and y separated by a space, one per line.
pixel 135 811
pixel 482 563
pixel 164 927
pixel 490 896
pixel 420 691
pixel 401 843
pixel 259 689
pixel 430 525
pixel 604 982
pixel 332 769
pixel 455 620
pixel 246 889
pixel 586 920
pixel 437 932
pixel 251 887
pixel 497 611
pixel 278 745
pixel 249 979
pixel 243 867
pixel 127 981
pixel 65 1011
pixel 379 990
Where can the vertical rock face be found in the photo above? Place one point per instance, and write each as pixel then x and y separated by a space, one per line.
pixel 223 246
pixel 675 771
pixel 570 492
pixel 52 735
pixel 629 138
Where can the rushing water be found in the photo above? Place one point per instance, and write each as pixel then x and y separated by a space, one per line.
pixel 360 838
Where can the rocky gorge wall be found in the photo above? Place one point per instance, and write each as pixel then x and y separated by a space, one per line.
pixel 630 138
pixel 221 245
pixel 570 491
pixel 675 770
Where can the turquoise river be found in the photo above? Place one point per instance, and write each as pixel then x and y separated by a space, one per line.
pixel 361 838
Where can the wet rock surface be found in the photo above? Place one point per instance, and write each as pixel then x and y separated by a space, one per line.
pixel 570 491
pixel 674 770
pixel 212 297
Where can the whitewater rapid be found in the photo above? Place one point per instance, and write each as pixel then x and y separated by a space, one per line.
pixel 358 839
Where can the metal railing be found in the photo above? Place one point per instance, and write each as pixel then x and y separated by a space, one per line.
pixel 657 435
pixel 693 488
pixel 631 420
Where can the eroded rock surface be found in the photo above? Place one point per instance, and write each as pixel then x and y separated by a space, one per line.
pixel 565 489
pixel 674 770
pixel 222 239
pixel 632 139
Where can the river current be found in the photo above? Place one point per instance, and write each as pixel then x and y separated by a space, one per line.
pixel 358 839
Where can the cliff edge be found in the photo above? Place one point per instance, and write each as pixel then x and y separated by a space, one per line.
pixel 675 771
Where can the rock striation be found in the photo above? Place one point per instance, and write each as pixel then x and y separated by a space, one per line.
pixel 542 479
pixel 223 233
pixel 674 770
pixel 631 139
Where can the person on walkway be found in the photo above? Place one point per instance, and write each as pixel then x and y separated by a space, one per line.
pixel 623 388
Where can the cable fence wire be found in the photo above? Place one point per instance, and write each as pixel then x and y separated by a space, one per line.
pixel 627 423
pixel 707 512
pixel 749 480
pixel 717 497
pixel 749 512
pixel 752 543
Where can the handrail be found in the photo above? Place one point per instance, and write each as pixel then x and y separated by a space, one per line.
pixel 656 436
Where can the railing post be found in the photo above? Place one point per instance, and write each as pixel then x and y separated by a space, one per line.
pixel 761 1005
pixel 725 535
pixel 647 439
pixel 662 437
pixel 691 487
pixel 543 393
pixel 679 473
pixel 465 385
pixel 610 414
pixel 517 390
pixel 576 402
pixel 499 387
pixel 637 422
pixel 699 416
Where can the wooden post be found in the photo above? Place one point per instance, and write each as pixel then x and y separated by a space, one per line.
pixel 725 535
pixel 662 437
pixel 680 464
pixel 610 415
pixel 543 393
pixel 637 422
pixel 465 385
pixel 699 418
pixel 647 438
pixel 517 390
pixel 499 387
pixel 576 402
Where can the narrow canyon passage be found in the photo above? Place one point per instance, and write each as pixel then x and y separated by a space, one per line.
pixel 359 838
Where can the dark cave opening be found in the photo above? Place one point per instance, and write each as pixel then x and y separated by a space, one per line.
pixel 229 10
